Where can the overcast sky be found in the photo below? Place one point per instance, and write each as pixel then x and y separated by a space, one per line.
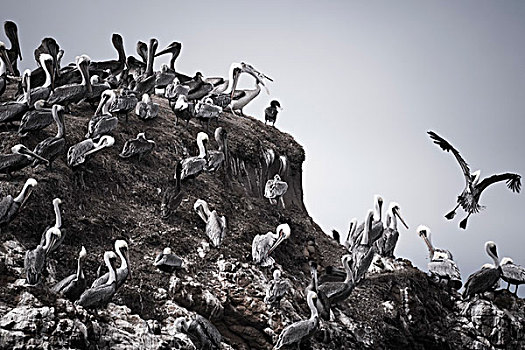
pixel 360 83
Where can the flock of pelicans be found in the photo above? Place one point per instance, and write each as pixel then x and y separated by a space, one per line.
pixel 119 86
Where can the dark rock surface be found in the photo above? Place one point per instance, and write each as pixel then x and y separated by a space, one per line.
pixel 397 309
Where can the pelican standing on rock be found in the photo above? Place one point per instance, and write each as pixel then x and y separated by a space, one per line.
pixel 270 113
pixel 96 297
pixel 37 119
pixel 363 253
pixel 74 93
pixel 9 206
pixel 484 279
pixel 173 195
pixel 19 159
pixel 193 166
pixel 35 260
pixel 512 273
pixel 323 303
pixel 167 261
pixel 386 244
pixel 54 146
pixel 301 330
pixel 183 109
pixel 14 110
pixel 42 92
pixel 377 227
pixel 115 67
pixel 263 245
pixel 215 224
pixel 58 224
pixel 14 53
pixel 275 189
pixel 469 198
pixel 73 285
pixel 442 265
pixel 139 146
pixel 277 289
pixel 122 273
pixel 339 291
pixel 146 109
pixel 205 111
pixel 103 122
pixel 5 65
pixel 202 332
pixel 218 157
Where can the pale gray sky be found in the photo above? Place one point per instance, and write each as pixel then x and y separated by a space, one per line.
pixel 361 83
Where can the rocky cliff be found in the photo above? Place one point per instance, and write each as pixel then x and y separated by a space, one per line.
pixel 396 309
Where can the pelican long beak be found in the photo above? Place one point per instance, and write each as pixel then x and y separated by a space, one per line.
pixel 34 155
pixel 94 150
pixel 28 90
pixel 126 255
pixel 400 218
pixel 3 53
pixel 276 244
pixel 49 67
pixel 102 102
pixel 236 74
pixel 84 70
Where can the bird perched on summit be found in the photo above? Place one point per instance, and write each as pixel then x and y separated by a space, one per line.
pixel 469 198
pixel 270 113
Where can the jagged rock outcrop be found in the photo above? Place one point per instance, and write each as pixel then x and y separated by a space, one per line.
pixel 401 308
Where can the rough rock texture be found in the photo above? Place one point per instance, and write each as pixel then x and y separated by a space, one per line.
pixel 397 308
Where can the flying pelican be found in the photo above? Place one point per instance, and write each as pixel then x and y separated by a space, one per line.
pixel 301 330
pixel 203 334
pixel 37 119
pixel 442 265
pixel 77 154
pixel 263 245
pixel 146 109
pixel 206 111
pixel 218 157
pixel 9 206
pixel 73 285
pixel 99 296
pixel 20 158
pixel 215 224
pixel 183 109
pixel 470 196
pixel 138 146
pixel 386 244
pixel 14 53
pixel 41 92
pixel 270 113
pixel 122 273
pixel 167 261
pixel 377 228
pixel 484 279
pixel 339 291
pixel 363 253
pixel 35 260
pixel 276 290
pixel 58 224
pixel 5 65
pixel 173 195
pixel 275 188
pixel 322 303
pixel 73 93
pixel 14 110
pixel 146 82
pixel 115 67
pixel 512 273
pixel 193 166
pixel 53 146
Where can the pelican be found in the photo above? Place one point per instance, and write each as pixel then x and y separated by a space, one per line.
pixel 119 101
pixel 14 53
pixel 174 48
pixel 270 113
pixel 323 303
pixel 351 233
pixel 215 224
pixel 99 296
pixel 146 82
pixel 35 260
pixel 275 190
pixel 138 146
pixel 37 119
pixel 173 195
pixel 386 244
pixel 484 279
pixel 363 253
pixel 73 93
pixel 470 196
pixel 58 224
pixel 54 146
pixel 164 77
pixel 301 330
pixel 206 111
pixel 14 110
pixel 217 158
pixel 240 101
pixel 276 290
pixel 377 228
pixel 203 334
pixel 73 285
pixel 5 65
pixel 97 88
pixel 115 67
pixel 442 265
pixel 77 154
pixel 193 166
pixel 183 109
pixel 339 291
pixel 167 261
pixel 122 273
pixel 103 122
pixel 20 158
pixel 263 245
pixel 48 46
pixel 142 51
pixel 146 109
pixel 512 273
pixel 9 206
pixel 41 92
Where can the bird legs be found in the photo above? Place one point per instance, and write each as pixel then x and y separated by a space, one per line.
pixel 463 223
pixel 452 213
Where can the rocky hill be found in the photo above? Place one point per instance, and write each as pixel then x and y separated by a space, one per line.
pixel 396 309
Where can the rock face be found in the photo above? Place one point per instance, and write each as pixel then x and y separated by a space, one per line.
pixel 400 308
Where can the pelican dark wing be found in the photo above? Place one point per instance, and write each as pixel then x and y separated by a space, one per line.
pixel 445 146
pixel 513 181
